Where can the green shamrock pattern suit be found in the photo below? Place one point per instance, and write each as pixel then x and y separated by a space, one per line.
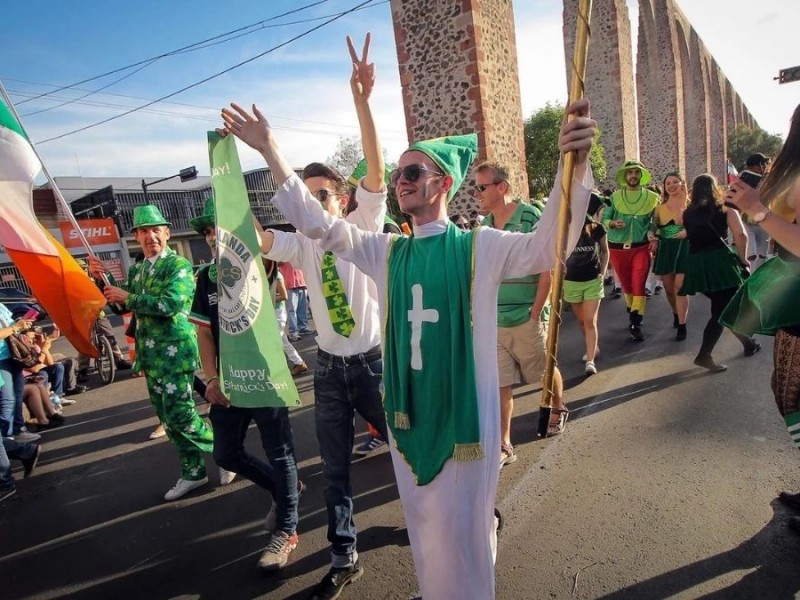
pixel 166 350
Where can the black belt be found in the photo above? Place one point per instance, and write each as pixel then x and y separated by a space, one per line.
pixel 618 246
pixel 356 359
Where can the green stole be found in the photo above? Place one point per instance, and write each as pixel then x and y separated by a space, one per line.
pixel 431 398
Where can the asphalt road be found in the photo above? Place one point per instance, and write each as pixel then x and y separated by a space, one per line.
pixel 663 486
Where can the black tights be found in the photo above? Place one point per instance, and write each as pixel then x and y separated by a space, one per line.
pixel 713 330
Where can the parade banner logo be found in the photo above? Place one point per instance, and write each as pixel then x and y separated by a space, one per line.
pixel 253 370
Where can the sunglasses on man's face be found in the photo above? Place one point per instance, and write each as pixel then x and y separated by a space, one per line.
pixel 411 173
pixel 323 194
pixel 481 187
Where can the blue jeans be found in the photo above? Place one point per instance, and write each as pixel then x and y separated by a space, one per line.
pixel 342 386
pixel 279 475
pixel 55 375
pixel 11 397
pixel 16 450
pixel 297 310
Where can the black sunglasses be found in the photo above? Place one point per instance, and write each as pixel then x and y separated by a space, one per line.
pixel 482 186
pixel 322 195
pixel 410 173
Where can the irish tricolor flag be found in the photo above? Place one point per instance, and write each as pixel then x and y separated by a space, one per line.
pixel 60 285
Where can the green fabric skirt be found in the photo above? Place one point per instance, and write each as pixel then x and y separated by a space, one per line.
pixel 671 256
pixel 769 300
pixel 711 271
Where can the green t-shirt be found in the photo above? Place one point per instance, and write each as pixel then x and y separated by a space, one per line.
pixel 515 296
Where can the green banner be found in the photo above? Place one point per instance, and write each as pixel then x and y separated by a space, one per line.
pixel 253 370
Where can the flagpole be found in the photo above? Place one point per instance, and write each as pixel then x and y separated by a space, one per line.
pixel 576 92
pixel 50 179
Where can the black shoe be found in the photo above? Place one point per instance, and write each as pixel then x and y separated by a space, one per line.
pixel 791 500
pixel 675 321
pixel 7 493
pixel 681 333
pixel 83 376
pixel 124 365
pixel 29 464
pixel 636 333
pixel 616 293
pixel 78 389
pixel 794 524
pixel 499 521
pixel 752 348
pixel 335 581
pixel 647 293
pixel 708 363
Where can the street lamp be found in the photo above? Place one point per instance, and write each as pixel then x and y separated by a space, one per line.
pixel 186 174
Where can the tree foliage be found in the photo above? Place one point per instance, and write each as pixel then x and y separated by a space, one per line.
pixel 541 150
pixel 347 155
pixel 743 141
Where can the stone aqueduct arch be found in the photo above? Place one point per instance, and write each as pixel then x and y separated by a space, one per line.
pixel 458 73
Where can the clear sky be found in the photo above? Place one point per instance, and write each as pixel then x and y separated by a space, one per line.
pixel 303 86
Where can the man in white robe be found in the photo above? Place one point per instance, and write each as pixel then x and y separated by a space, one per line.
pixel 450 518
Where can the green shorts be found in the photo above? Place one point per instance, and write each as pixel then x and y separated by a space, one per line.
pixel 580 291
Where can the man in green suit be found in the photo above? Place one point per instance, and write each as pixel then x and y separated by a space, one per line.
pixel 159 292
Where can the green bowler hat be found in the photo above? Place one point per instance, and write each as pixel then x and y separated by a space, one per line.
pixel 207 219
pixel 148 216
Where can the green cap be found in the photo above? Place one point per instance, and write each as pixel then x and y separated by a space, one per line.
pixel 148 216
pixel 453 154
pixel 361 171
pixel 207 219
pixel 632 164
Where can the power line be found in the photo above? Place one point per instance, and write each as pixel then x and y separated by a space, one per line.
pixel 195 48
pixel 210 119
pixel 184 48
pixel 209 78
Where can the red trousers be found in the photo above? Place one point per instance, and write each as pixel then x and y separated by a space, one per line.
pixel 631 267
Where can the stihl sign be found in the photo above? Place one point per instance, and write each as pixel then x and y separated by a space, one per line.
pixel 98 232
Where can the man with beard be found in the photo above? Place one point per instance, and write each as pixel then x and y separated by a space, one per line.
pixel 628 221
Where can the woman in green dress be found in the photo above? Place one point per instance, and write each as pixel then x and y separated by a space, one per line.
pixel 767 303
pixel 712 268
pixel 673 247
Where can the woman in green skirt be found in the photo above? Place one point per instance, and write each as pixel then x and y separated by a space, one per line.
pixel 673 248
pixel 768 302
pixel 712 268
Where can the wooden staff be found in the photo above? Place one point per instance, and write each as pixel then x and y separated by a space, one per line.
pixel 576 92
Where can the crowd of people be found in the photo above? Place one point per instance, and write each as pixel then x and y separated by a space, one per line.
pixel 425 335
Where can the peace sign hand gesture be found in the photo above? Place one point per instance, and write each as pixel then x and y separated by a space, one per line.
pixel 363 78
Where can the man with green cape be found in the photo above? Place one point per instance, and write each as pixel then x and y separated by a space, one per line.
pixel 438 301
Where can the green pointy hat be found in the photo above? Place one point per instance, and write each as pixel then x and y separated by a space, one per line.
pixel 148 216
pixel 361 171
pixel 207 219
pixel 453 154
pixel 633 164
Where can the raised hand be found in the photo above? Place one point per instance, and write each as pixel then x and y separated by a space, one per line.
pixel 253 130
pixel 362 79
pixel 578 133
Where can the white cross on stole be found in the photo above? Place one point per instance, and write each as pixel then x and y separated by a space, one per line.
pixel 417 316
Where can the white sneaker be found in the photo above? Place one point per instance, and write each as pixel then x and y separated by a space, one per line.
pixel 590 368
pixel 64 401
pixel 586 356
pixel 226 477
pixel 183 487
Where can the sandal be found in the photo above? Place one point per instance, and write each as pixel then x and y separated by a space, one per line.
pixel 557 427
pixel 507 455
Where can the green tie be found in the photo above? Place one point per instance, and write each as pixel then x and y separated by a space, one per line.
pixel 333 290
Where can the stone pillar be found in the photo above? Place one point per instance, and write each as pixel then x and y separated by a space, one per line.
pixel 610 83
pixel 695 112
pixel 458 72
pixel 718 132
pixel 730 105
pixel 659 85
